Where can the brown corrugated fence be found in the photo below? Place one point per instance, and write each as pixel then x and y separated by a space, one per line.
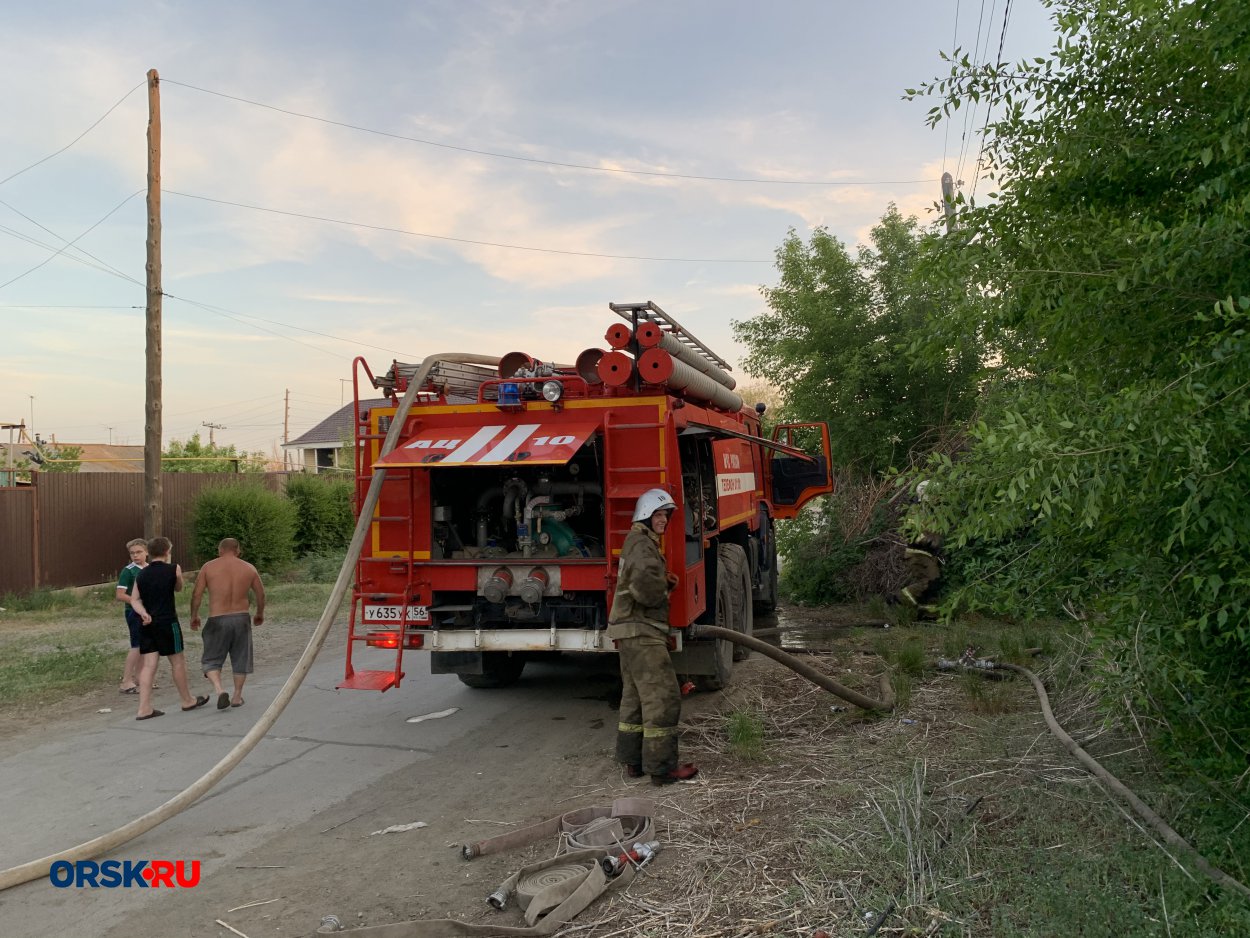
pixel 69 529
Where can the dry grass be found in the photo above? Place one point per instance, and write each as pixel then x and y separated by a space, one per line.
pixel 935 820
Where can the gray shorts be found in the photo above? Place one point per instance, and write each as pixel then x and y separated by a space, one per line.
pixel 231 633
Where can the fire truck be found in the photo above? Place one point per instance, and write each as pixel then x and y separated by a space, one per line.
pixel 510 489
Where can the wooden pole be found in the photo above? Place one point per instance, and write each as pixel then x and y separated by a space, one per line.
pixel 152 514
pixel 948 200
pixel 286 431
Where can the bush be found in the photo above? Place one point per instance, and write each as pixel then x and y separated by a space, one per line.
pixel 262 521
pixel 842 548
pixel 323 513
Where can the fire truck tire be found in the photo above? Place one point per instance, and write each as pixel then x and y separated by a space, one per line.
pixel 499 669
pixel 737 571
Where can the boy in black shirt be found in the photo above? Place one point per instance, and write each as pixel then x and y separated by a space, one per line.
pixel 153 599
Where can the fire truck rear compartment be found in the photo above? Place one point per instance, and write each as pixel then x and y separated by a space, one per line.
pixel 519 526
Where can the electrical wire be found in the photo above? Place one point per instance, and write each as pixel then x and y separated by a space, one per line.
pixel 532 159
pixel 239 317
pixel 1002 37
pixel 68 244
pixel 492 244
pixel 954 46
pixel 79 137
pixel 968 112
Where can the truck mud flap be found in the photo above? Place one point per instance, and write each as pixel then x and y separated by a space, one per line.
pixel 456 662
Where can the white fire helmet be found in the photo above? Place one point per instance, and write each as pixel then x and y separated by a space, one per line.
pixel 651 501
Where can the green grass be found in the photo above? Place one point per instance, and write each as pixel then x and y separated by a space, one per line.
pixel 55 644
pixel 59 671
pixel 745 731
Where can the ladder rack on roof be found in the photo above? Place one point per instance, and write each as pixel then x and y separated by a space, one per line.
pixel 452 377
pixel 649 312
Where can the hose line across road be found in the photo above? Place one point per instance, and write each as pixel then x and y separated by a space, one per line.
pixel 106 843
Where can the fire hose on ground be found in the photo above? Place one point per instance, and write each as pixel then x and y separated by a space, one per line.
pixel 1117 788
pixel 886 703
pixel 105 843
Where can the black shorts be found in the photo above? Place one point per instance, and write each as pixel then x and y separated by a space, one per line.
pixel 163 640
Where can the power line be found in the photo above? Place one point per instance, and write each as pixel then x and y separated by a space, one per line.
pixel 954 46
pixel 491 244
pixel 972 107
pixel 233 314
pixel 79 137
pixel 68 244
pixel 532 159
pixel 1002 37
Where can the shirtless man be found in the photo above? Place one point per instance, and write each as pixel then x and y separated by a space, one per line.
pixel 228 630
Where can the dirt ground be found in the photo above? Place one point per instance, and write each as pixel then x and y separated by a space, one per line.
pixel 935 819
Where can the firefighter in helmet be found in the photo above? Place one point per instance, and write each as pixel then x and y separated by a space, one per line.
pixel 646 739
pixel 924 568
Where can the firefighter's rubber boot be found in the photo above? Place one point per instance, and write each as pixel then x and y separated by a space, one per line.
pixel 679 774
pixel 633 771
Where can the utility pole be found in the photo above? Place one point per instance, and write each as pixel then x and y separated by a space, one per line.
pixel 32 414
pixel 211 428
pixel 948 201
pixel 152 515
pixel 286 431
pixel 10 477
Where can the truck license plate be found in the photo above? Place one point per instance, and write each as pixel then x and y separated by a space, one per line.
pixel 396 613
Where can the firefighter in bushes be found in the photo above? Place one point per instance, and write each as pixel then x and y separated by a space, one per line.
pixel 646 739
pixel 924 568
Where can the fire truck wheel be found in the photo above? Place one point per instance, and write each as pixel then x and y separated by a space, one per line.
pixel 499 669
pixel 735 569
pixel 728 616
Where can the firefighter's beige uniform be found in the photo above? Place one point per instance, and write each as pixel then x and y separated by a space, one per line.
pixel 924 569
pixel 638 623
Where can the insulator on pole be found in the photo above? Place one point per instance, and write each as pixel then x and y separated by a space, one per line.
pixel 657 366
pixel 618 335
pixel 587 365
pixel 650 335
pixel 615 368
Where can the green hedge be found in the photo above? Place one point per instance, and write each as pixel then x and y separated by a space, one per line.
pixel 262 521
pixel 323 506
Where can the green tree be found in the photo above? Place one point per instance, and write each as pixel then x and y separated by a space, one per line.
pixel 60 458
pixel 1111 275
pixel 837 342
pixel 193 455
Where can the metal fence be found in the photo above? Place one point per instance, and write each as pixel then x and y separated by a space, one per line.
pixel 68 529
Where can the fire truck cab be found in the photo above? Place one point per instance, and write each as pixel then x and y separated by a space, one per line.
pixel 511 490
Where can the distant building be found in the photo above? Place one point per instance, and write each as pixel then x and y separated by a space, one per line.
pixel 104 457
pixel 328 446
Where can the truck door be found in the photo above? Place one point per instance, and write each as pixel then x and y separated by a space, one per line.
pixel 794 481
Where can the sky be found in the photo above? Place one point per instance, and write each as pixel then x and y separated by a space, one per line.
pixel 343 134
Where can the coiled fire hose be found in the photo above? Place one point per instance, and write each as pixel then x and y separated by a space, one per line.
pixel 1118 788
pixel 105 843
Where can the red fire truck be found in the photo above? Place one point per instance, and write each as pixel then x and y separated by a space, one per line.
pixel 511 489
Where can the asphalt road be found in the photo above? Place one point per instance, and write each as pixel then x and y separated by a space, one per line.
pixel 69 782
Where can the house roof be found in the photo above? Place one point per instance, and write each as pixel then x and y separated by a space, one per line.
pixel 334 429
pixel 330 433
pixel 105 457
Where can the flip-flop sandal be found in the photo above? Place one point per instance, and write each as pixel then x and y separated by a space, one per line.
pixel 199 702
pixel 154 713
pixel 239 704
pixel 223 700
pixel 129 690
